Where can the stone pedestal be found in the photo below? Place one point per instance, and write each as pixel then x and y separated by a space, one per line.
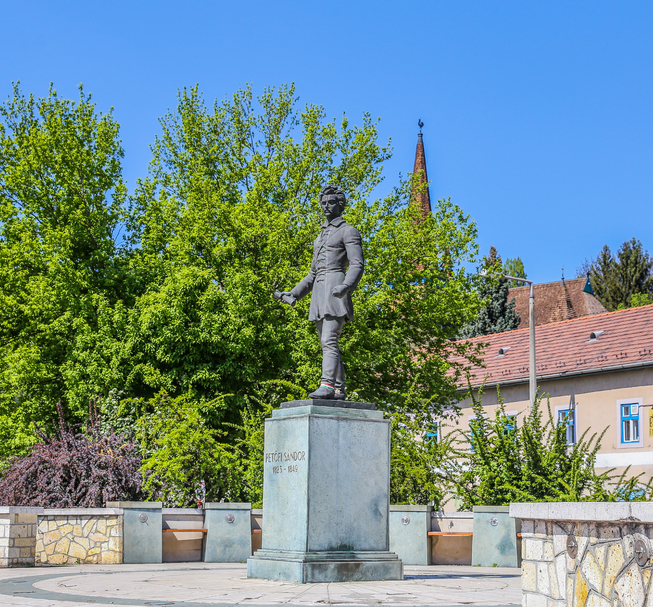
pixel 409 528
pixel 143 531
pixel 228 532
pixel 495 537
pixel 326 495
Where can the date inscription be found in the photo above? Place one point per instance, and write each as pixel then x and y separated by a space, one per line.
pixel 282 469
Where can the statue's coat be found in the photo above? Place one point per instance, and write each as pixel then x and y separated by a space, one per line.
pixel 337 259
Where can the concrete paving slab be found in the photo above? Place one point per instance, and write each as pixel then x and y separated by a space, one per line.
pixel 226 585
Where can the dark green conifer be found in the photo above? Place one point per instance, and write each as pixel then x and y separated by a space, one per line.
pixel 498 314
pixel 616 279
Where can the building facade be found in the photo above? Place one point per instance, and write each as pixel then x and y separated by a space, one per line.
pixel 596 372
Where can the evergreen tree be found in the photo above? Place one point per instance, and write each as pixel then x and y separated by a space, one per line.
pixel 497 315
pixel 616 279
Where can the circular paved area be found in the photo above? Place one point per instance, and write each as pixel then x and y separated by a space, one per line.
pixel 203 585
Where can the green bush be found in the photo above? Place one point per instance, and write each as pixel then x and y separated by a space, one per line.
pixel 498 462
pixel 180 450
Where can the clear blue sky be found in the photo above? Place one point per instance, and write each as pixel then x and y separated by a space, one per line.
pixel 538 116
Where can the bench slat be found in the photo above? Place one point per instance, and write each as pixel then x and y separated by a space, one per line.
pixel 185 530
pixel 449 533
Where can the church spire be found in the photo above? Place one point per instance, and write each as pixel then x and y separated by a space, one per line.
pixel 421 199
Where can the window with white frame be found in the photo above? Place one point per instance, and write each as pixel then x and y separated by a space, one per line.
pixel 629 423
pixel 567 418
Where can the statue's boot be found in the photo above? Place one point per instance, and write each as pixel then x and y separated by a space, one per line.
pixel 324 391
pixel 340 394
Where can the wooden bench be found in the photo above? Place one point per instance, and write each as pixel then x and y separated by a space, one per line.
pixel 201 531
pixel 456 533
pixel 185 530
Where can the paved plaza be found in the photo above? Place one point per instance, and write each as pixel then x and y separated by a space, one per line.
pixel 202 585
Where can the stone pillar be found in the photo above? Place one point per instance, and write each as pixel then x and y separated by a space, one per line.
pixel 326 493
pixel 494 543
pixel 409 528
pixel 18 535
pixel 143 531
pixel 228 532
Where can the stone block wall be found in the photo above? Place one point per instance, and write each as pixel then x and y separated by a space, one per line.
pixel 79 535
pixel 586 563
pixel 17 536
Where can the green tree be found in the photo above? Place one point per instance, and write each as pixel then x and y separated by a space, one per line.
pixel 229 213
pixel 496 314
pixel 616 279
pixel 61 207
pixel 182 303
pixel 515 268
pixel 641 299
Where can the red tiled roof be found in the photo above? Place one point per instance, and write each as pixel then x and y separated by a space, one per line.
pixel 556 301
pixel 563 348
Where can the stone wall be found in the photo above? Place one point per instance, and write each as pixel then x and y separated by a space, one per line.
pixel 586 554
pixel 79 535
pixel 17 536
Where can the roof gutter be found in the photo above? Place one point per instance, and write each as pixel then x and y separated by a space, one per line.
pixel 563 374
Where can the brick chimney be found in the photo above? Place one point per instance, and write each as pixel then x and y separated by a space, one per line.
pixel 421 199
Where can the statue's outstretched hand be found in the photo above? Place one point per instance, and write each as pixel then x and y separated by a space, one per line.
pixel 285 297
pixel 340 291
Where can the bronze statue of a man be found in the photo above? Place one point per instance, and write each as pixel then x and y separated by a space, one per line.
pixel 336 270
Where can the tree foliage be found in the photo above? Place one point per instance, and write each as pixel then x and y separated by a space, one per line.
pixel 639 299
pixel 616 279
pixel 496 314
pixel 499 461
pixel 229 213
pixel 180 450
pixel 74 469
pixel 61 205
pixel 416 456
pixel 515 268
pixel 173 318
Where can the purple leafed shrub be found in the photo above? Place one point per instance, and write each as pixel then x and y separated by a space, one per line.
pixel 71 469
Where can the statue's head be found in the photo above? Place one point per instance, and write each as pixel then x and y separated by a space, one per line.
pixel 332 201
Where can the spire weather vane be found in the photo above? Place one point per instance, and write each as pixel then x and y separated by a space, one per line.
pixel 420 124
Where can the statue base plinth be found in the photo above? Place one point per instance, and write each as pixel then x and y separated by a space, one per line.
pixel 328 402
pixel 334 566
pixel 326 493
